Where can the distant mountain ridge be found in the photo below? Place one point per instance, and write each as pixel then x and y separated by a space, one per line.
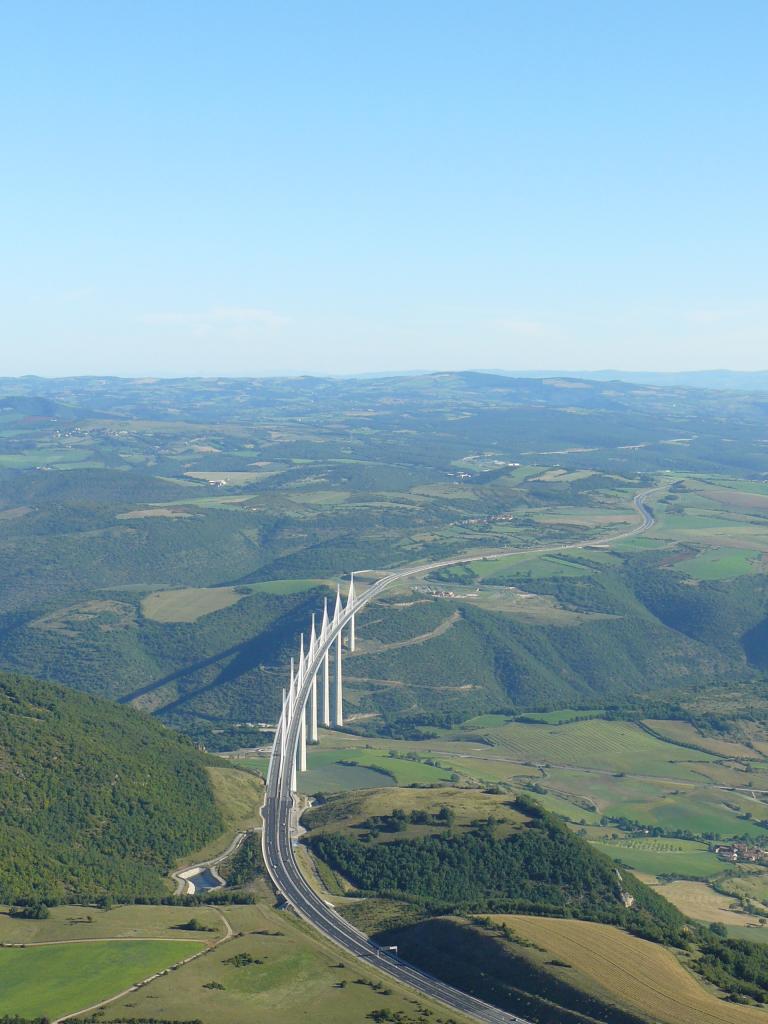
pixel 717 380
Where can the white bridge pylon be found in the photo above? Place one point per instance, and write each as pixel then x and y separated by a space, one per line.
pixel 301 697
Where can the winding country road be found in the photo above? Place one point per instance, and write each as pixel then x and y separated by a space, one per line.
pixel 277 846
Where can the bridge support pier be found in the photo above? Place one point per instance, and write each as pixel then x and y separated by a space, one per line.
pixel 283 725
pixel 339 718
pixel 291 695
pixel 327 690
pixel 350 602
pixel 313 711
pixel 326 669
pixel 303 741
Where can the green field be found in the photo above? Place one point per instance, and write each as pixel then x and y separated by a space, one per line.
pixel 753 885
pixel 697 808
pixel 295 976
pixel 255 763
pixel 480 722
pixel 406 772
pixel 558 717
pixel 664 857
pixel 125 921
pixel 286 586
pixel 571 810
pixel 752 933
pixel 325 763
pixel 54 980
pixel 337 778
pixel 721 563
pixel 538 567
pixel 189 604
pixel 598 744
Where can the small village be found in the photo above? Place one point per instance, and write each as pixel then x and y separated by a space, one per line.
pixel 740 853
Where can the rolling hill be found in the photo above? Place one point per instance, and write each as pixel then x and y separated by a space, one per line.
pixel 95 799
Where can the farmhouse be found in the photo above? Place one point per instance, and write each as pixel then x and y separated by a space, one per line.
pixel 741 853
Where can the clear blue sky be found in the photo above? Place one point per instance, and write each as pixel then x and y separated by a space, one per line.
pixel 247 188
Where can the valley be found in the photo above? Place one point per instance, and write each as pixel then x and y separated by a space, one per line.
pixel 615 686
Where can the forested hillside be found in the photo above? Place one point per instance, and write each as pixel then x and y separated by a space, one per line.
pixel 628 631
pixel 95 799
pixel 540 867
pixel 163 541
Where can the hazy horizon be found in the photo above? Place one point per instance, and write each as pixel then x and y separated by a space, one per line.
pixel 604 373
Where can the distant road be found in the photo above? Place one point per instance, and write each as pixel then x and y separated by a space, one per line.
pixel 276 835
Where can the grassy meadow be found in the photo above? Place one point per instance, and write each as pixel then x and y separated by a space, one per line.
pixel 663 856
pixel 187 605
pixel 75 923
pixel 293 975
pixel 53 980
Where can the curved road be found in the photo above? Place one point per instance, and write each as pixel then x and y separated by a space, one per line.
pixel 276 811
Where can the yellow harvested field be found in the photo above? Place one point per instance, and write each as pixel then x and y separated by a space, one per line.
pixel 233 478
pixel 155 513
pixel 187 605
pixel 634 973
pixel 699 901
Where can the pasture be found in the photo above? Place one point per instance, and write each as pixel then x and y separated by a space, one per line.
pixel 752 885
pixel 568 808
pixel 337 778
pixel 663 856
pixel 53 980
pixel 721 563
pixel 70 923
pixel 255 763
pixel 557 717
pixel 292 976
pixel 697 807
pixel 236 478
pixel 372 768
pixel 536 566
pixel 633 973
pixel 598 744
pixel 406 772
pixel 188 604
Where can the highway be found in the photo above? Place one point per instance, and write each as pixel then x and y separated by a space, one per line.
pixel 277 845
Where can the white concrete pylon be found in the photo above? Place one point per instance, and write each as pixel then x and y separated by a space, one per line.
pixel 313 710
pixel 283 725
pixel 291 693
pixel 326 670
pixel 300 673
pixel 303 741
pixel 339 718
pixel 312 639
pixel 351 604
pixel 337 610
